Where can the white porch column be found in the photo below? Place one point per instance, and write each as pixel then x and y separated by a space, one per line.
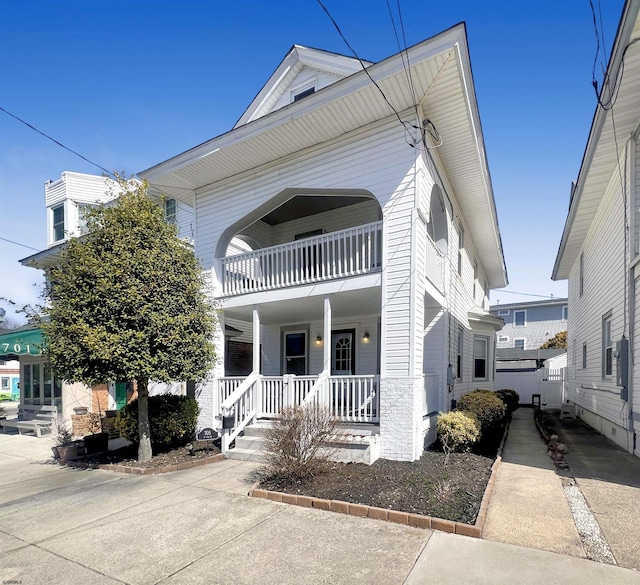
pixel 327 335
pixel 256 339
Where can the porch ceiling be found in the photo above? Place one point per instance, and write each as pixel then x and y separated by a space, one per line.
pixel 364 301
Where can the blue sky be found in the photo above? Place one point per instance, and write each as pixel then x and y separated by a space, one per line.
pixel 130 84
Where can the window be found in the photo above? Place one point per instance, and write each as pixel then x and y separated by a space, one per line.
pixel 584 356
pixel 58 223
pixel 503 312
pixel 5 383
pixel 503 338
pixel 303 94
pixel 520 318
pixel 581 276
pixel 565 313
pixel 480 346
pixel 170 210
pixel 607 346
pixel 459 353
pixel 519 343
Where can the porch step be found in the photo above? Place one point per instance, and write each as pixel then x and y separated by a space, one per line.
pixel 358 444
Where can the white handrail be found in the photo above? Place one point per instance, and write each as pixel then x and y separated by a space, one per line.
pixel 315 389
pixel 239 391
pixel 241 405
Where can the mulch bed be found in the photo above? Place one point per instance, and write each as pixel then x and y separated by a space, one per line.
pixel 428 487
pixel 128 457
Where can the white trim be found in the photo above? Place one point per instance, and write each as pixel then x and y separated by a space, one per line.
pixel 515 317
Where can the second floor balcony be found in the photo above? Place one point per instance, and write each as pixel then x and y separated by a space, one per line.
pixel 345 253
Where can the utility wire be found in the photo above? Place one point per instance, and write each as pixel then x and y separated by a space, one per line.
pixel 56 141
pixel 512 292
pixel 19 244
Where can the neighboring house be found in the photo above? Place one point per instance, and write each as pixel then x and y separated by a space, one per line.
pixel 355 247
pixel 600 251
pixel 9 379
pixel 528 325
pixel 65 200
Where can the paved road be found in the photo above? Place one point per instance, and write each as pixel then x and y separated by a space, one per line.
pixel 68 526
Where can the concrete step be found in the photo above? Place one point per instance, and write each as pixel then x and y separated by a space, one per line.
pixel 244 455
pixel 253 442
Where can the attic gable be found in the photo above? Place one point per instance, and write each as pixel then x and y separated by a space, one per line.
pixel 302 70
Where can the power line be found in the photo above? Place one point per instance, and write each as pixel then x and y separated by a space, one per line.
pixel 512 292
pixel 19 244
pixel 56 141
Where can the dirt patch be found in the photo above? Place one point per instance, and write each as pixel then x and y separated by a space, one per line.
pixel 128 457
pixel 452 492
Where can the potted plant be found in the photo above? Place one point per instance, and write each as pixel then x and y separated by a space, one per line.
pixel 97 441
pixel 66 448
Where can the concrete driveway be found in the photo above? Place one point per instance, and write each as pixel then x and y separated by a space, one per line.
pixel 60 525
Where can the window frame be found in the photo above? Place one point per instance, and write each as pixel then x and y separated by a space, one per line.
pixel 565 313
pixel 518 339
pixel 515 318
pixel 171 217
pixel 481 358
pixel 460 354
pixel 58 225
pixel 584 355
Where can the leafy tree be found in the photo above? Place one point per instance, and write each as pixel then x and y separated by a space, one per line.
pixel 128 302
pixel 558 340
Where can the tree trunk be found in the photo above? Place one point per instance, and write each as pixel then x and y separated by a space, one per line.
pixel 144 429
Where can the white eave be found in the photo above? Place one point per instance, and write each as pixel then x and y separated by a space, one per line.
pixel 600 156
pixel 441 74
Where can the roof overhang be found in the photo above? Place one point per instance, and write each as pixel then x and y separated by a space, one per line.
pixel 28 340
pixel 46 258
pixel 601 153
pixel 481 318
pixel 443 82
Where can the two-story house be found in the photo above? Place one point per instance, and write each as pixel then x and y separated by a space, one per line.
pixel 599 253
pixel 65 201
pixel 349 227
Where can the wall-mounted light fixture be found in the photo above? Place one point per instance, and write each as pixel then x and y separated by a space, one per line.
pixel 318 340
pixel 365 337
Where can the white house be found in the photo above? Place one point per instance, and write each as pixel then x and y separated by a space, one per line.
pixel 599 252
pixel 529 324
pixel 349 227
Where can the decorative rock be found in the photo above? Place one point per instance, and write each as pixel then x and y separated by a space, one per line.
pixel 554 437
pixel 561 447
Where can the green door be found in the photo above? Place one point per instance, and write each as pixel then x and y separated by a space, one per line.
pixel 121 394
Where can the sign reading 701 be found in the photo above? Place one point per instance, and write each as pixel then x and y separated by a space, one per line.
pixel 18 348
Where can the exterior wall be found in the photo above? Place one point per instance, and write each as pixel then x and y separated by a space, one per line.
pixel 543 321
pixel 605 290
pixel 10 375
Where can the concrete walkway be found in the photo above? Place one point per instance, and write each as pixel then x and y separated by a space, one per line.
pixel 609 479
pixel 60 525
pixel 528 506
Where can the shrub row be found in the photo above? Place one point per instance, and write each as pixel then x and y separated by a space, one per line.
pixel 480 416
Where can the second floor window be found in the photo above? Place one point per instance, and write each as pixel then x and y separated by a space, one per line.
pixel 170 210
pixel 58 223
pixel 519 318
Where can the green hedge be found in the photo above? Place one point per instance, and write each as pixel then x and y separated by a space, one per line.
pixel 510 397
pixel 489 409
pixel 172 419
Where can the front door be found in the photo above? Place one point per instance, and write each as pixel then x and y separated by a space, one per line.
pixel 295 353
pixel 343 352
pixel 121 395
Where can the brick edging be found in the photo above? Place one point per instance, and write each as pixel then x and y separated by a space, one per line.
pixel 407 518
pixel 147 470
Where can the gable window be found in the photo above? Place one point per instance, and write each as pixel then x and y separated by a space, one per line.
pixel 58 223
pixel 584 356
pixel 607 346
pixel 170 211
pixel 581 276
pixel 480 353
pixel 565 313
pixel 459 353
pixel 303 94
pixel 520 318
pixel 518 343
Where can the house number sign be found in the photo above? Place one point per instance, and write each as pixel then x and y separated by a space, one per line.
pixel 18 348
pixel 207 435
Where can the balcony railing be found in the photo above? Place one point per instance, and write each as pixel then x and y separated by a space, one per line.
pixel 349 252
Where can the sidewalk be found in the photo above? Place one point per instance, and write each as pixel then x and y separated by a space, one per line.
pixel 528 506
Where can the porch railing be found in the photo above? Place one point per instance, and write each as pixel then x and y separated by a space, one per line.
pixel 350 398
pixel 339 254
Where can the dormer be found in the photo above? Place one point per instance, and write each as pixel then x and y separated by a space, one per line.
pixel 67 198
pixel 302 73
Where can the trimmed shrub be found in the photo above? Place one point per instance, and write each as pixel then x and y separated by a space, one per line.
pixel 172 419
pixel 488 408
pixel 297 443
pixel 457 431
pixel 510 397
